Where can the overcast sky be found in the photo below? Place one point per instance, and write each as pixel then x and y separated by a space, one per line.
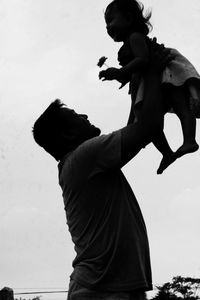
pixel 49 49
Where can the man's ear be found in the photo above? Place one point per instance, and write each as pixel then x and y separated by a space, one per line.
pixel 68 136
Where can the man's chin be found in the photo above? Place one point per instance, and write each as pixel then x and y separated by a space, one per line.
pixel 93 132
pixel 97 131
pixel 117 39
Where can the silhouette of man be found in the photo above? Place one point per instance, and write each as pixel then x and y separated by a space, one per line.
pixel 103 216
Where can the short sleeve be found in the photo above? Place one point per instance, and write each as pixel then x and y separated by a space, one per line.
pixel 100 153
pixel 97 155
pixel 109 156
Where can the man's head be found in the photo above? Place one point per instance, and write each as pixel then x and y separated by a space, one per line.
pixel 60 130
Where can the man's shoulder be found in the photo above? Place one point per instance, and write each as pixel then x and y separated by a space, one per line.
pixel 94 152
pixel 99 142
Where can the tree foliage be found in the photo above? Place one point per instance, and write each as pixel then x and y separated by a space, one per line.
pixel 179 288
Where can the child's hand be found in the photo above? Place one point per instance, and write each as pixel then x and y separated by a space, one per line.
pixel 110 74
pixel 123 83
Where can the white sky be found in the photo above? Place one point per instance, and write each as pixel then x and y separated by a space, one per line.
pixel 49 49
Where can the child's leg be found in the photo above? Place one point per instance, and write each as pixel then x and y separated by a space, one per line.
pixel 161 143
pixel 181 107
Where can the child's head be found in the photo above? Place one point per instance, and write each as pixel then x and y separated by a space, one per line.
pixel 129 12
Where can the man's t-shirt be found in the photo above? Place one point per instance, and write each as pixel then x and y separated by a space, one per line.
pixel 104 218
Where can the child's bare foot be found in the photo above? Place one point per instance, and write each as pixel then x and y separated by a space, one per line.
pixel 166 161
pixel 187 148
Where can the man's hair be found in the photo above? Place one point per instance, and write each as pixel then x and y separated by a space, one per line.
pixel 47 130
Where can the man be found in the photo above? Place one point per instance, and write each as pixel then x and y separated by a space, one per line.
pixel 103 216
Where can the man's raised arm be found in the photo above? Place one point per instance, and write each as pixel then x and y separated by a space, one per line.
pixel 136 136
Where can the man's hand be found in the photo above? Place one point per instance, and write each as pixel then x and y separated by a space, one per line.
pixel 110 74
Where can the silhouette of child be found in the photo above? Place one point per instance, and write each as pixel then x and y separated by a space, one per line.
pixel 125 22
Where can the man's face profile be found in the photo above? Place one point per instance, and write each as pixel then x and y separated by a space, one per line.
pixel 77 125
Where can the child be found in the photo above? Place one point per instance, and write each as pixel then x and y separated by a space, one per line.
pixel 126 23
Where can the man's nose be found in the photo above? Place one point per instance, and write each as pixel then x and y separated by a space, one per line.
pixel 83 116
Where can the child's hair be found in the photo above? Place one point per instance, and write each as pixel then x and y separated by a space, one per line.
pixel 135 9
pixel 47 128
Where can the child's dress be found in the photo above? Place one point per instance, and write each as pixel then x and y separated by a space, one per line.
pixel 178 72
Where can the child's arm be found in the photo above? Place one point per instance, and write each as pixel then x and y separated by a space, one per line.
pixel 140 52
